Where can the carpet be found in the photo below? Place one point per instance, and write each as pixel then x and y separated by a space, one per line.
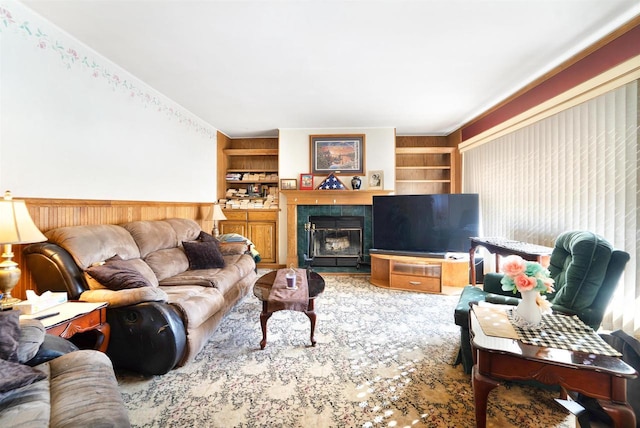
pixel 383 358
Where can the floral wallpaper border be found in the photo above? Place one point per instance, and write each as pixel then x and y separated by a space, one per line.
pixel 118 82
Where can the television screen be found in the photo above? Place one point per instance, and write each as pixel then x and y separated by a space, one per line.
pixel 425 223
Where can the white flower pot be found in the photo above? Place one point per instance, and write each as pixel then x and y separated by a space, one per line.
pixel 528 310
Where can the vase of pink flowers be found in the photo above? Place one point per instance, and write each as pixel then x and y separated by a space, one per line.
pixel 531 279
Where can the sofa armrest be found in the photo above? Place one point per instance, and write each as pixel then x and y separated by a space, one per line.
pixel 492 285
pixel 500 299
pixel 126 297
pixel 148 338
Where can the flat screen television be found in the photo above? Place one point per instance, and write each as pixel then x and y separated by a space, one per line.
pixel 432 224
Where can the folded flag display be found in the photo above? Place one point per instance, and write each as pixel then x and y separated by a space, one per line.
pixel 331 183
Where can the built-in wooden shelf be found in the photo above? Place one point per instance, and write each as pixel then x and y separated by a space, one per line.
pixel 251 152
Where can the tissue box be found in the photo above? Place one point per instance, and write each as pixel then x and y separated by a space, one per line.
pixel 28 307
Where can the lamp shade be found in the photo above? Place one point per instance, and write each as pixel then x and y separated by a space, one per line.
pixel 217 213
pixel 16 225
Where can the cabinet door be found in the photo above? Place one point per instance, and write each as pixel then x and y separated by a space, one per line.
pixel 263 236
pixel 231 226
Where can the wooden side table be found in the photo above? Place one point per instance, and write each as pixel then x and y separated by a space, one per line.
pixel 506 247
pixel 498 359
pixel 72 318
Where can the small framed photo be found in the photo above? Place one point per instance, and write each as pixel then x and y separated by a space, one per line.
pixel 306 181
pixel 375 179
pixel 288 184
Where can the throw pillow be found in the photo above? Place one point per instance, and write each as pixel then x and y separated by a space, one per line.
pixel 206 237
pixel 31 337
pixel 9 335
pixel 118 275
pixel 16 375
pixel 203 255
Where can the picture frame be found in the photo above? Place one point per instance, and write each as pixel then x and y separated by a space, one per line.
pixel 306 181
pixel 288 184
pixel 375 179
pixel 338 154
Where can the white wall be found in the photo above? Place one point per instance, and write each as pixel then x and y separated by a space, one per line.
pixel 75 125
pixel 294 159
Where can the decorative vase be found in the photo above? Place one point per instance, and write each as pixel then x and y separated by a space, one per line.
pixel 356 182
pixel 528 312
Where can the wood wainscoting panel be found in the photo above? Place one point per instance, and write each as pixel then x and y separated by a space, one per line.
pixel 50 214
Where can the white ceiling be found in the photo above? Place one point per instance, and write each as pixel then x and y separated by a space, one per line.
pixel 251 67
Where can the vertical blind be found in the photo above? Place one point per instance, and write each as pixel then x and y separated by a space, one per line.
pixel 575 170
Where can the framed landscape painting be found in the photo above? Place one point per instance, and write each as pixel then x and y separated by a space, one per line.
pixel 339 154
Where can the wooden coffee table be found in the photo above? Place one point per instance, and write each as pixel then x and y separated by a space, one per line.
pixel 262 288
pixel 598 376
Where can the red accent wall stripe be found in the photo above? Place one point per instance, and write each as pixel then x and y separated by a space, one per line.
pixel 608 56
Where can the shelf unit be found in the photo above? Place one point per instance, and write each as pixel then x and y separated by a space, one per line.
pixel 425 165
pixel 255 160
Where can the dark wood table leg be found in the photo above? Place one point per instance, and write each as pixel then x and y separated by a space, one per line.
pixel 264 317
pixel 482 386
pixel 472 263
pixel 103 334
pixel 621 414
pixel 312 317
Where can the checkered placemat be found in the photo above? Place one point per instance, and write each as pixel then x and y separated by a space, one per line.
pixel 563 332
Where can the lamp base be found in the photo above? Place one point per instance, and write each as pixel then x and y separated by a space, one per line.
pixel 8 302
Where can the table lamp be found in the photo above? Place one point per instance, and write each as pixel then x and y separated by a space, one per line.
pixel 16 227
pixel 217 215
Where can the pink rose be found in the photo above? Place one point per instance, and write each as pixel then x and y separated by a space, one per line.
pixel 513 266
pixel 524 283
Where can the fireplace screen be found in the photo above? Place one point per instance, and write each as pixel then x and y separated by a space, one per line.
pixel 335 240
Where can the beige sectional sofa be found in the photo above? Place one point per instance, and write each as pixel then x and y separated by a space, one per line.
pixel 174 302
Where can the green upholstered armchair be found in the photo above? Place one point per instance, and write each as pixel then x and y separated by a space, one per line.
pixel 586 270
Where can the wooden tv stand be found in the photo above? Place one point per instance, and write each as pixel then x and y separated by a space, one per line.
pixel 416 273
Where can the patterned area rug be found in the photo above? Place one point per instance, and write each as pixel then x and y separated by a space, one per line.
pixel 383 358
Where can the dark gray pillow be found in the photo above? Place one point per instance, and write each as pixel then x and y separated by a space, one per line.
pixel 31 337
pixel 203 255
pixel 15 375
pixel 118 275
pixel 206 237
pixel 9 335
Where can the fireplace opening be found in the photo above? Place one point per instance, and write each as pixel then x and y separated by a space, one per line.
pixel 335 240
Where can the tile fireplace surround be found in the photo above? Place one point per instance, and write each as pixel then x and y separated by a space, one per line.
pixel 337 202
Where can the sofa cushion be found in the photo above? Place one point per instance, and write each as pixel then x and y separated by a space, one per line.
pixel 230 248
pixel 186 229
pixel 97 243
pixel 9 335
pixel 84 380
pixel 152 236
pixel 167 263
pixel 236 268
pixel 578 265
pixel 203 255
pixel 197 304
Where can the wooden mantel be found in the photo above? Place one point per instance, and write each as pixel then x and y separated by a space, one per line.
pixel 319 197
